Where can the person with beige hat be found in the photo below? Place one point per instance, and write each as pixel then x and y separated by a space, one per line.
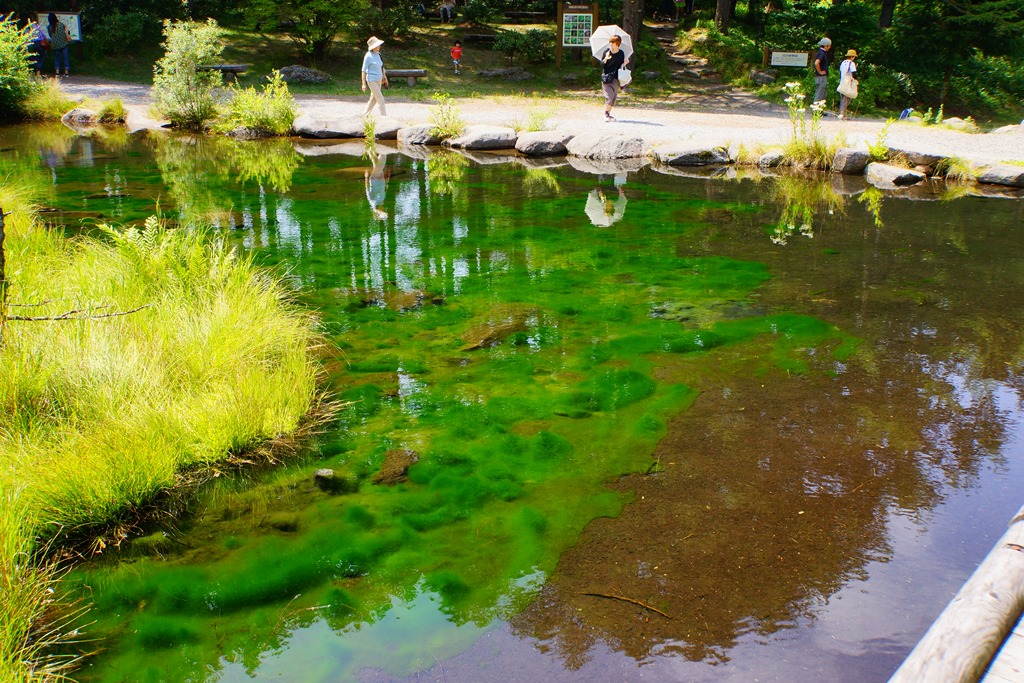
pixel 848 73
pixel 374 75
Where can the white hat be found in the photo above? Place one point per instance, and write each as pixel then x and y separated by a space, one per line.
pixel 373 42
pixel 824 42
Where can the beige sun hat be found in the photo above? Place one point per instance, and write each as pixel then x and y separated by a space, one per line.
pixel 851 53
pixel 373 42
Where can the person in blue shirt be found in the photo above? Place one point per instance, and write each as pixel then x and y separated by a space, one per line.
pixel 374 75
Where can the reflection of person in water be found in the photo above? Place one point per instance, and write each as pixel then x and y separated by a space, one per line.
pixel 376 186
pixel 604 208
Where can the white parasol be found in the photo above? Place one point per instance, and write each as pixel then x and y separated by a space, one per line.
pixel 602 34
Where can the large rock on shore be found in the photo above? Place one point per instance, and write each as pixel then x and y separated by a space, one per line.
pixel 850 161
pixel 422 134
pixel 771 159
pixel 1002 174
pixel 79 116
pixel 310 126
pixel 684 155
pixel 485 137
pixel 601 146
pixel 917 158
pixel 543 143
pixel 889 177
pixel 303 74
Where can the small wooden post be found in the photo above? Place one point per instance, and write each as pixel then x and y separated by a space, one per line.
pixel 961 643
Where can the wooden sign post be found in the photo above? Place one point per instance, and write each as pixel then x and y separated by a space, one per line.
pixel 576 21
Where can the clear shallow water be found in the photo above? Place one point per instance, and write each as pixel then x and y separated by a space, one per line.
pixel 814 397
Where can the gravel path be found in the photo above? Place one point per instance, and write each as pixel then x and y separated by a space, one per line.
pixel 652 123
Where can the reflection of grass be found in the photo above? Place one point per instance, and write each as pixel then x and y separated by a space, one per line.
pixel 802 198
pixel 872 200
pixel 541 179
pixel 446 171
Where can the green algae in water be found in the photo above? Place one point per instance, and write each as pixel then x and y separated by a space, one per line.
pixel 492 332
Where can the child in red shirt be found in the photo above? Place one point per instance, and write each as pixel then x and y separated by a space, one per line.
pixel 457 56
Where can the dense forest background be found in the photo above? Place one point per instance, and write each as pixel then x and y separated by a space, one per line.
pixel 964 55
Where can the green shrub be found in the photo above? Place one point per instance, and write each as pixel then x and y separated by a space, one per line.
pixel 121 33
pixel 539 46
pixel 181 92
pixel 15 69
pixel 479 12
pixel 270 112
pixel 510 44
pixel 446 117
pixel 387 23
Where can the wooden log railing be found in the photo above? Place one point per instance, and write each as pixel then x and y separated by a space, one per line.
pixel 960 645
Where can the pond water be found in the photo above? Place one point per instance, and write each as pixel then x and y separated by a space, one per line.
pixel 600 423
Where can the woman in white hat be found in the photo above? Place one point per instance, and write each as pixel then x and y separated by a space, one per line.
pixel 374 75
pixel 847 69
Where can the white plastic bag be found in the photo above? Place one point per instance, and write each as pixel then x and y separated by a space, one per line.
pixel 625 77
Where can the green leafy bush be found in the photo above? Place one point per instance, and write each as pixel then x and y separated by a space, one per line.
pixel 15 69
pixel 181 92
pixel 121 33
pixel 479 12
pixel 446 117
pixel 539 46
pixel 270 112
pixel 511 44
pixel 387 23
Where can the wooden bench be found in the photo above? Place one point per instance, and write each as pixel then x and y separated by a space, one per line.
pixel 536 17
pixel 409 74
pixel 482 38
pixel 229 70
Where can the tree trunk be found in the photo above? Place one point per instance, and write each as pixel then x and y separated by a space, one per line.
pixel 633 23
pixel 723 15
pixel 947 77
pixel 885 16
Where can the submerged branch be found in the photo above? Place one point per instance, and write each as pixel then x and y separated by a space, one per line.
pixel 629 600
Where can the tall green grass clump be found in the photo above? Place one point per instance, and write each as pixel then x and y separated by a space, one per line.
pixel 165 352
pixel 809 146
pixel 15 70
pixel 181 92
pixel 47 102
pixel 446 117
pixel 112 111
pixel 266 113
pixel 102 414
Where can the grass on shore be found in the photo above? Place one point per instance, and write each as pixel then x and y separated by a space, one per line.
pixel 99 416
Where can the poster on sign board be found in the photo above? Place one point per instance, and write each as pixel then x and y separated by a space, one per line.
pixel 73 20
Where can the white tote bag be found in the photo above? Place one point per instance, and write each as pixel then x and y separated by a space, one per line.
pixel 848 87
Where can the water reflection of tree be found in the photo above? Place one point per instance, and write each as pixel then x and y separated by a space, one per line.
pixel 446 172
pixel 774 492
pixel 196 170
